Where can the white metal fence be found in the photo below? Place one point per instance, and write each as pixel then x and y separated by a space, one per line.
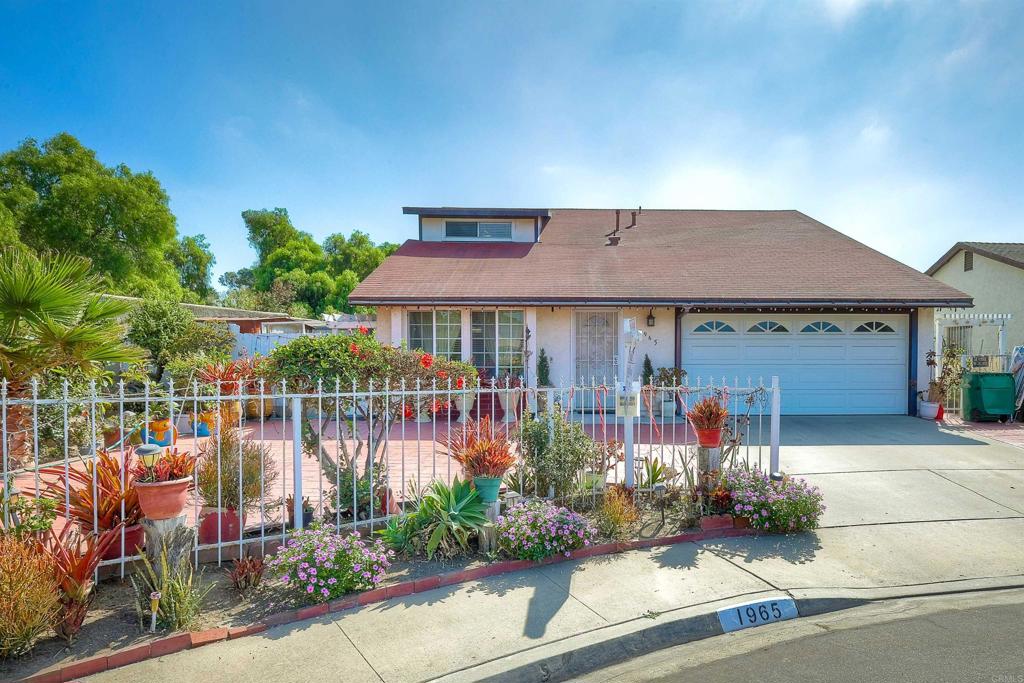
pixel 346 456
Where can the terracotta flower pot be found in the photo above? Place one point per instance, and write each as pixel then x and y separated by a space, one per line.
pixel 252 408
pixel 709 438
pixel 231 525
pixel 163 499
pixel 133 540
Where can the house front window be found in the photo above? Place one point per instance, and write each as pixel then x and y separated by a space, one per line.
pixel 439 333
pixel 482 230
pixel 498 343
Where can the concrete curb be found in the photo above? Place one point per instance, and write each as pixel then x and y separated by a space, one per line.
pixel 585 653
pixel 184 641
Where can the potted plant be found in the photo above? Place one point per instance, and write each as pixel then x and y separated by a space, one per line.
pixel 307 511
pixel 607 454
pixel 509 391
pixel 707 417
pixel 115 502
pixel 231 379
pixel 485 454
pixel 163 483
pixel 668 379
pixel 228 479
pixel 159 431
pixel 950 376
pixel 256 408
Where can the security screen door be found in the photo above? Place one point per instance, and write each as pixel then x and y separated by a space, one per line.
pixel 597 348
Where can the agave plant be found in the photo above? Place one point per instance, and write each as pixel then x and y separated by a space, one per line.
pixel 444 521
pixel 74 557
pixel 93 498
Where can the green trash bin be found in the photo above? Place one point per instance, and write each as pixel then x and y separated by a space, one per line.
pixel 988 396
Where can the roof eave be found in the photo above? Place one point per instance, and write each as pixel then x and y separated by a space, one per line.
pixel 483 212
pixel 645 301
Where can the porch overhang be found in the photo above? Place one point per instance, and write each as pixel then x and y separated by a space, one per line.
pixel 692 304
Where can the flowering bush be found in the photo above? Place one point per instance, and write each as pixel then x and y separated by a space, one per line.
pixel 537 529
pixel 320 565
pixel 774 506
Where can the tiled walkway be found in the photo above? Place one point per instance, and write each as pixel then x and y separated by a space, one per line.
pixel 1011 432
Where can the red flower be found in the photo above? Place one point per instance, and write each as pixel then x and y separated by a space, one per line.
pixel 426 360
pixel 460 383
pixel 407 411
pixel 353 348
pixel 363 329
pixel 441 374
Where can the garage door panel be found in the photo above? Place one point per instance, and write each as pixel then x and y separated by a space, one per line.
pixel 829 352
pixel 848 373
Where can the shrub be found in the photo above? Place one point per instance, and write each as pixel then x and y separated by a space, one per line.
pixel 555 457
pixel 168 330
pixel 543 369
pixel 445 519
pixel 256 460
pixel 617 512
pixel 537 529
pixel 27 516
pixel 774 506
pixel 28 595
pixel 319 565
pixel 181 595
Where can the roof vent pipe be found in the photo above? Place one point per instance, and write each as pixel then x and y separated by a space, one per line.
pixel 633 221
pixel 617 212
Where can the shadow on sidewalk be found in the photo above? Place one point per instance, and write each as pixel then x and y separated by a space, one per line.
pixel 793 548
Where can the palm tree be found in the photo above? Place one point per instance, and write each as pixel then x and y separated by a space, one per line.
pixel 51 319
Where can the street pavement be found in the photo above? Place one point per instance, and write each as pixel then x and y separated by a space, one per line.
pixel 913 509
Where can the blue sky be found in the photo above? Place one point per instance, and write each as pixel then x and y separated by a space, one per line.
pixel 901 124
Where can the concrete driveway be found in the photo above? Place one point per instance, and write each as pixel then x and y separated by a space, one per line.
pixel 891 469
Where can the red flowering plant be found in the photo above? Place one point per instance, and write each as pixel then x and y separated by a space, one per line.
pixel 392 384
pixel 482 449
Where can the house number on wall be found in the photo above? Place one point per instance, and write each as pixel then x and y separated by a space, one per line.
pixel 756 613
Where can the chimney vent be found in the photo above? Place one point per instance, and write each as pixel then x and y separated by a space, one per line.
pixel 617 220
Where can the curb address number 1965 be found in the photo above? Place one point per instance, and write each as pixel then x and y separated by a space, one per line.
pixel 756 613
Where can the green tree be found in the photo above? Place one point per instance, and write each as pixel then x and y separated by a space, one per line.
pixel 59 196
pixel 318 278
pixel 167 331
pixel 194 261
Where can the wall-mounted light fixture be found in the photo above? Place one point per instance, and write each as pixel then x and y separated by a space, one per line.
pixel 650 318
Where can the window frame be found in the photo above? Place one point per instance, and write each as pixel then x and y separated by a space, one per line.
pixel 821 327
pixel 497 369
pixel 476 237
pixel 767 327
pixel 714 327
pixel 456 353
pixel 874 327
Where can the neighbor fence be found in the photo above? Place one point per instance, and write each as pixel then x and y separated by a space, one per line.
pixel 274 457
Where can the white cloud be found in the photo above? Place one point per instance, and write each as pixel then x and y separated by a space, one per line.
pixel 841 11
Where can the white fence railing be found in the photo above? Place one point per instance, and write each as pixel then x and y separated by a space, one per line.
pixel 273 458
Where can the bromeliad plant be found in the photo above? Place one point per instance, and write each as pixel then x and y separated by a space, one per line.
pixel 318 565
pixel 482 449
pixel 74 557
pixel 172 465
pixel 113 487
pixel 246 573
pixel 707 417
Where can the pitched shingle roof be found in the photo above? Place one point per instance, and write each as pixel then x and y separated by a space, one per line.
pixel 1011 253
pixel 670 257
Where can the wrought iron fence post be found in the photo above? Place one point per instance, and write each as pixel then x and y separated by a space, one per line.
pixel 297 462
pixel 776 408
pixel 627 438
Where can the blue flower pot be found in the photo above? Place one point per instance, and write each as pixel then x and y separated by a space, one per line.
pixel 488 488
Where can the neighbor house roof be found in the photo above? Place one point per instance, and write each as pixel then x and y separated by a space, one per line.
pixel 1011 253
pixel 669 257
pixel 211 313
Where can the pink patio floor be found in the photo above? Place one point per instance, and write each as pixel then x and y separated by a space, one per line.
pixel 1011 432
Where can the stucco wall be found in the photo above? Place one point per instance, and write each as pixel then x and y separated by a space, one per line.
pixel 996 288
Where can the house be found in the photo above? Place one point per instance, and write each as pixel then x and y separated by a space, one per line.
pixel 993 274
pixel 734 294
pixel 248 322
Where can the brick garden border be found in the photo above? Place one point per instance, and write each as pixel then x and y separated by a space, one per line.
pixel 720 526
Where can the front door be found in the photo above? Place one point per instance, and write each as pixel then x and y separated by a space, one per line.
pixel 597 349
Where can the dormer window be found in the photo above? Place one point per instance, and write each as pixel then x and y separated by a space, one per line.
pixel 480 230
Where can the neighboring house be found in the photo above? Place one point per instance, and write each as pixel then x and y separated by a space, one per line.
pixel 993 274
pixel 734 294
pixel 248 322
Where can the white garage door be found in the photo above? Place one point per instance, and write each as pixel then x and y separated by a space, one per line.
pixel 827 364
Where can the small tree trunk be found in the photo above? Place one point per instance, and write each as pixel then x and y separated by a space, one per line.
pixel 487 539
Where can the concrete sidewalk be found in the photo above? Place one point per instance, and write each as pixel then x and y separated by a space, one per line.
pixel 936 513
